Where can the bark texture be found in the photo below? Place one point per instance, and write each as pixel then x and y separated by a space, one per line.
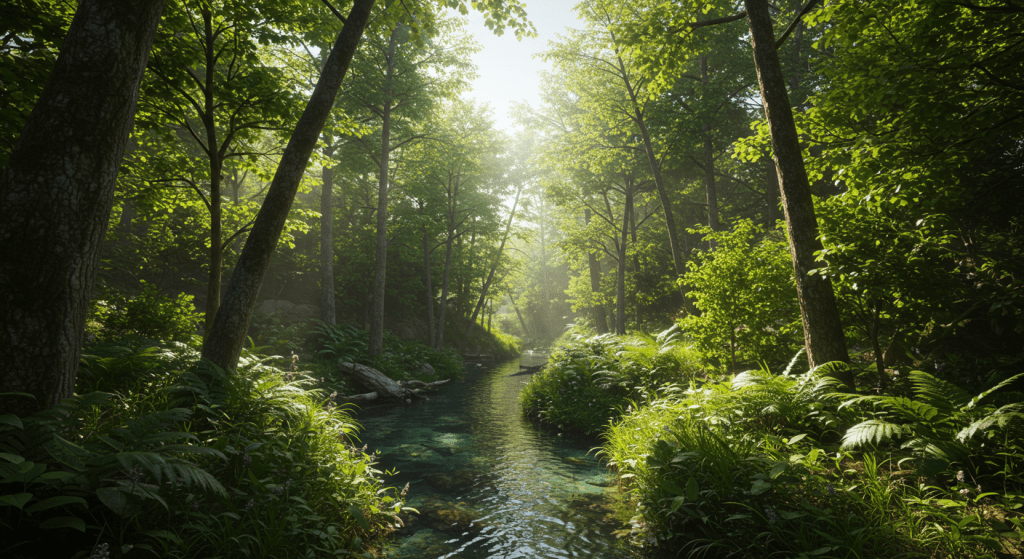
pixel 823 332
pixel 56 195
pixel 224 343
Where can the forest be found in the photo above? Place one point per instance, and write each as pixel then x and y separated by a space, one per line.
pixel 769 254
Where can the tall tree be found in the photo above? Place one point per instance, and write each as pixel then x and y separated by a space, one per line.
pixel 56 194
pixel 224 345
pixel 208 83
pixel 683 21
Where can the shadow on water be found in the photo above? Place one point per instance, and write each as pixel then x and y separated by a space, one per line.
pixel 487 483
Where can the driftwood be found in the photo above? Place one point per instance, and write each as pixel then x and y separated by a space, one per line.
pixel 527 370
pixel 381 386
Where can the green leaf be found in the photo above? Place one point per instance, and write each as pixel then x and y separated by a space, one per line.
pixel 54 502
pixel 357 514
pixel 15 500
pixel 114 499
pixel 11 419
pixel 796 438
pixel 759 486
pixel 63 522
pixel 692 489
pixel 12 458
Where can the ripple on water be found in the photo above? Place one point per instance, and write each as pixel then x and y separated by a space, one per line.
pixel 487 484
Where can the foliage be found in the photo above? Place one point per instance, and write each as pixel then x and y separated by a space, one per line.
pixel 590 379
pixel 744 291
pixel 943 425
pixel 179 459
pixel 148 314
pixel 711 473
pixel 401 360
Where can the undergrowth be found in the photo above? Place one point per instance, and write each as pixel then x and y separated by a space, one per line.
pixel 591 379
pixel 161 455
pixel 790 466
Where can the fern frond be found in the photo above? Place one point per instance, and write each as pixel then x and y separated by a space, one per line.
pixel 974 401
pixel 872 431
pixel 750 378
pixel 793 361
pixel 937 392
pixel 947 451
pixel 998 418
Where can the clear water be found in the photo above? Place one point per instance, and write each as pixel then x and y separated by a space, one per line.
pixel 487 483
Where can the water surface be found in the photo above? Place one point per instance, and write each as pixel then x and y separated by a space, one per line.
pixel 486 482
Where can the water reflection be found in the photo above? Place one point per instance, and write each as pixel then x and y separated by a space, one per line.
pixel 486 483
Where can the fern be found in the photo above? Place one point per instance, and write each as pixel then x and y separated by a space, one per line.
pixel 937 392
pixel 999 418
pixel 872 431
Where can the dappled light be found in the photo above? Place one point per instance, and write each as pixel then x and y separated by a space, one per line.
pixel 496 279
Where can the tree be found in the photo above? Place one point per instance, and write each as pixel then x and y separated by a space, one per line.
pixel 823 332
pixel 208 84
pixel 56 194
pixel 224 345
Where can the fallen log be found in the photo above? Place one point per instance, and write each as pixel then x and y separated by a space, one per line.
pixel 380 385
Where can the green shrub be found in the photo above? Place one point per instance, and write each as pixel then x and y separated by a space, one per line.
pixel 148 314
pixel 752 467
pixel 400 360
pixel 176 460
pixel 744 290
pixel 589 380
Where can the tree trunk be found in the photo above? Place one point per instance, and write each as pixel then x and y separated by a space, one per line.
pixel 597 312
pixel 709 161
pixel 216 167
pixel 519 315
pixel 56 195
pixel 620 295
pixel 376 346
pixel 328 314
pixel 494 266
pixel 823 332
pixel 428 288
pixel 223 345
pixel 772 197
pixel 373 380
pixel 445 279
pixel 678 263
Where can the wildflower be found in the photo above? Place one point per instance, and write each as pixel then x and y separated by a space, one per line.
pixel 334 394
pixel 960 476
pixel 405 490
pixel 965 491
pixel 246 460
pixel 277 490
pixel 249 505
pixel 771 515
pixel 135 475
pixel 288 484
pixel 101 551
pixel 195 505
pixel 978 488
pixel 831 490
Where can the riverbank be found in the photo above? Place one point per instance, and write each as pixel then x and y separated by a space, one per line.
pixel 761 464
pixel 487 483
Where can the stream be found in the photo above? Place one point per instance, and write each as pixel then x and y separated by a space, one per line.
pixel 487 483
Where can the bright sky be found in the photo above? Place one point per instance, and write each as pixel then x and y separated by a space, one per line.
pixel 507 69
